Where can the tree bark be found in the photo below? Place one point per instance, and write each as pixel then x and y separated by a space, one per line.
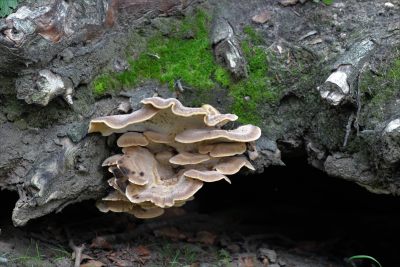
pixel 51 50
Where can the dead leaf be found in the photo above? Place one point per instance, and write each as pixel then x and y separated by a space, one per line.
pixel 142 251
pixel 119 262
pixel 262 17
pixel 93 263
pixel 247 261
pixel 100 242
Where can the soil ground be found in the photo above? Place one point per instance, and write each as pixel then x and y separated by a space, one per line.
pixel 317 221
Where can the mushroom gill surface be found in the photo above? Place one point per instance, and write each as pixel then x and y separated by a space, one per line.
pixel 168 152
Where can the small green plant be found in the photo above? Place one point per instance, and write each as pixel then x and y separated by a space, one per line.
pixel 7 6
pixel 352 259
pixel 326 2
pixel 178 256
pixel 31 257
pixel 224 258
pixel 253 36
pixel 59 252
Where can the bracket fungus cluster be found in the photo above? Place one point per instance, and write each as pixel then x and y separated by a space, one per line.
pixel 168 152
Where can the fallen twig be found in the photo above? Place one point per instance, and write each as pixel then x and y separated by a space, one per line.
pixel 78 252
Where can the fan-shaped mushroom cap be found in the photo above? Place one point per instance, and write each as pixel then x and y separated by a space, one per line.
pixel 223 149
pixel 132 190
pixel 233 165
pixel 176 107
pixel 245 133
pixel 115 206
pixel 111 160
pixel 180 203
pixel 117 202
pixel 215 118
pixel 117 123
pixel 164 156
pixel 164 193
pixel 186 158
pixel 115 196
pixel 157 137
pixel 211 116
pixel 132 139
pixel 142 213
pixel 219 120
pixel 147 205
pixel 138 164
pixel 206 176
pixel 210 109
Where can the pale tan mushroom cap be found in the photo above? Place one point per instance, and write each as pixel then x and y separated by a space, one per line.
pixel 115 196
pixel 176 106
pixel 132 139
pixel 157 137
pixel 180 203
pixel 111 124
pixel 117 202
pixel 165 195
pixel 160 115
pixel 245 133
pixel 214 117
pixel 138 164
pixel 115 206
pixel 206 176
pixel 111 160
pixel 211 116
pixel 186 158
pixel 233 165
pixel 142 213
pixel 219 120
pixel 219 150
pixel 163 157
pixel 133 189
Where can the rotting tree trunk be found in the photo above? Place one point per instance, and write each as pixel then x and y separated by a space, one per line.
pixel 50 50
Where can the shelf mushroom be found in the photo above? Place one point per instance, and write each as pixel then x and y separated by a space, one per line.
pixel 168 152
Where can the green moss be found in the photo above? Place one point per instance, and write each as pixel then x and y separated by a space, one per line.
pixel 253 36
pixel 185 55
pixel 101 84
pixel 380 90
pixel 251 93
pixel 394 72
pixel 222 76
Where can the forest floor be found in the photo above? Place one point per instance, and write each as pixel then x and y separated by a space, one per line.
pixel 308 224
